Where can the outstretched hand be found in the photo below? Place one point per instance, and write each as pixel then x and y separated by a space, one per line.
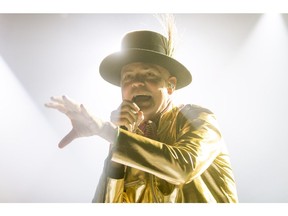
pixel 83 123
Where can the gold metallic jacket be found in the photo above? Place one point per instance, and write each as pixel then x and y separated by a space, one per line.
pixel 188 163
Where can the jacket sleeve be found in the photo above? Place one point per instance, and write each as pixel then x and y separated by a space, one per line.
pixel 110 186
pixel 197 143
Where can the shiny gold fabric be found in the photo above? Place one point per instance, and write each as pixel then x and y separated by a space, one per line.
pixel 188 163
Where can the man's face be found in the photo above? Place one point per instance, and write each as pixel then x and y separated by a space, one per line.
pixel 146 85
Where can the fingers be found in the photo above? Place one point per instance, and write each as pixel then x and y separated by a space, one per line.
pixel 57 99
pixel 56 103
pixel 125 114
pixel 123 117
pixel 62 100
pixel 76 113
pixel 140 117
pixel 128 114
pixel 63 104
pixel 133 106
pixel 59 107
pixel 70 104
pixel 68 139
pixel 84 112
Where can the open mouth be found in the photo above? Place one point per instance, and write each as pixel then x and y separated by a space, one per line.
pixel 141 99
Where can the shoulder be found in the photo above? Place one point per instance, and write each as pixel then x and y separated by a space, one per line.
pixel 194 107
pixel 195 113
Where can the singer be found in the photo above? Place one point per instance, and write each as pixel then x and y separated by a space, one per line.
pixel 159 152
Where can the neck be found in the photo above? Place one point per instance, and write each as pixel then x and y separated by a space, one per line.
pixel 157 116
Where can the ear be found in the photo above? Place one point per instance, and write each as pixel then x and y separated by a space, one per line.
pixel 172 81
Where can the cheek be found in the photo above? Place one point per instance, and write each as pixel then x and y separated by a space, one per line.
pixel 159 97
pixel 125 93
pixel 155 84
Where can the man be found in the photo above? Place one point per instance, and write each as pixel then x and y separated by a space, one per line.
pixel 159 152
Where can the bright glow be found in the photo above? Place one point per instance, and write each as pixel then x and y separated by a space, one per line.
pixel 32 168
pixel 255 121
pixel 239 67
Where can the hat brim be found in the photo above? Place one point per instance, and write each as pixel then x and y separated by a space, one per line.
pixel 110 67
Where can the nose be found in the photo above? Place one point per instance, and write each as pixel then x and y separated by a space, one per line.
pixel 138 81
pixel 137 84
